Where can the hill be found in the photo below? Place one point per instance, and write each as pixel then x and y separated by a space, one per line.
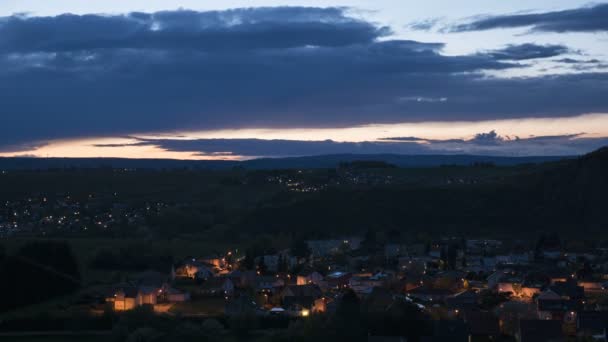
pixel 566 196
pixel 241 203
pixel 306 162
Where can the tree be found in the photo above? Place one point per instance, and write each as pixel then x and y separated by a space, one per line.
pixel 282 264
pixel 452 253
pixel 49 263
pixel 370 241
pixel 262 265
pixel 300 249
pixel 242 325
pixel 349 305
pixel 248 262
pixel 348 322
pixel 212 327
pixel 443 257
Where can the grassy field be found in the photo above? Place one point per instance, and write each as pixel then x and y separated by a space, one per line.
pixel 212 307
pixel 56 338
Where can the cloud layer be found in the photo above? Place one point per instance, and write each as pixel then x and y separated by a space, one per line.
pixel 75 76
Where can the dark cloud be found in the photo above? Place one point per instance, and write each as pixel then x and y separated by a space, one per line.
pixel 490 138
pixel 251 28
pixel 423 25
pixel 489 143
pixel 584 19
pixel 578 61
pixel 280 148
pixel 582 65
pixel 22 147
pixel 528 51
pixel 73 76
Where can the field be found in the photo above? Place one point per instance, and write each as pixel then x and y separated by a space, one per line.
pixel 61 337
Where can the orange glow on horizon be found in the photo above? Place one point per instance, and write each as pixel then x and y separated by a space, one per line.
pixel 590 125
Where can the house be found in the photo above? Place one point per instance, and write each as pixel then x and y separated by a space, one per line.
pixel 429 294
pixel 510 284
pixel 418 264
pixel 214 260
pixel 268 283
pixel 462 301
pixel 128 297
pixel 558 275
pixel 568 290
pixel 364 283
pixel 175 296
pixel 414 280
pixel 518 288
pixel 393 250
pixel 309 277
pixel 551 306
pixel 513 259
pixel 482 245
pixel 320 248
pixel 123 298
pixel 488 263
pixel 304 296
pixel 592 286
pixel 194 270
pixel 338 279
pixel 453 280
pixel 511 312
pixel 540 331
pixel 218 286
pixel 242 278
pixel 551 254
pixel 494 279
pixel 270 261
pixel 151 279
pixel 147 295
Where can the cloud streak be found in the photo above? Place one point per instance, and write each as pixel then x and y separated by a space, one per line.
pixel 529 51
pixel 486 143
pixel 584 19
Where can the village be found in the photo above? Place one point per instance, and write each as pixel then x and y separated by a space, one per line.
pixel 478 290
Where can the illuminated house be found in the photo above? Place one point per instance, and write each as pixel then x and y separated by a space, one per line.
pixel 214 260
pixel 128 298
pixel 195 270
pixel 309 277
pixel 174 296
pixel 147 296
pixel 124 299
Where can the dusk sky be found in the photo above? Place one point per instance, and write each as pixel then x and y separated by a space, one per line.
pixel 243 79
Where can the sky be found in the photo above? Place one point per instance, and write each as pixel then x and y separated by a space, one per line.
pixel 245 79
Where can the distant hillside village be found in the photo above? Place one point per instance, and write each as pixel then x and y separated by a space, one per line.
pixel 475 289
